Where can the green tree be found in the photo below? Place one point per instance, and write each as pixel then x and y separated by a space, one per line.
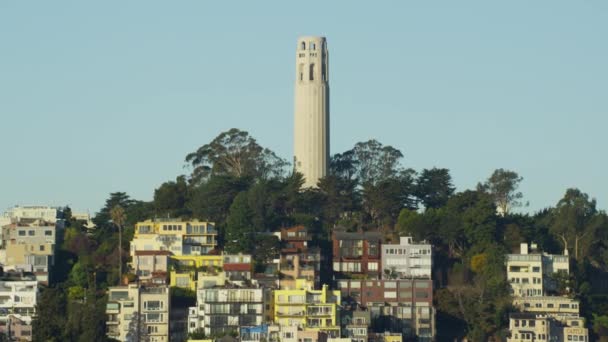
pixel 49 322
pixel 434 187
pixel 239 226
pixel 375 162
pixel 234 153
pixel 171 197
pixel 118 219
pixel 502 186
pixel 575 221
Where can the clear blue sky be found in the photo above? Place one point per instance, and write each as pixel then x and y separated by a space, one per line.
pixel 106 96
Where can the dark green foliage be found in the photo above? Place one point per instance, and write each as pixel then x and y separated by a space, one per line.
pixel 434 187
pixel 234 153
pixel 239 226
pixel 171 197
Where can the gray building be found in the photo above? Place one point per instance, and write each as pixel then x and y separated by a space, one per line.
pixel 407 260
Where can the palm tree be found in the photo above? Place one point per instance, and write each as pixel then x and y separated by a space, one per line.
pixel 117 214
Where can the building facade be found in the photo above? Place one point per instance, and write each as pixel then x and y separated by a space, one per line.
pixel 178 237
pixel 407 260
pixel 30 247
pixel 531 273
pixel 138 311
pixel 226 310
pixel 308 309
pixel 311 109
pixel 297 259
pixel 18 300
pixel 402 305
pixel 356 254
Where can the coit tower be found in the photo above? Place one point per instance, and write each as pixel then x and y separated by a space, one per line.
pixel 311 110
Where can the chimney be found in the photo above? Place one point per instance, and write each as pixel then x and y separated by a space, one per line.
pixel 524 248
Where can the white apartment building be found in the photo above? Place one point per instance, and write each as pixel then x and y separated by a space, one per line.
pixel 407 259
pixel 223 310
pixel 138 311
pixel 18 300
pixel 529 272
pixel 45 213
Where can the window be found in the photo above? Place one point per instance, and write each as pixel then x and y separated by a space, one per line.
pixel 31 233
pixel 535 269
pixel 154 317
pixel 42 248
pixel 301 71
pixel 152 329
pixel 303 46
pixel 311 75
pixel 313 46
pixel 22 233
pixel 48 233
pixel 372 266
pixel 153 305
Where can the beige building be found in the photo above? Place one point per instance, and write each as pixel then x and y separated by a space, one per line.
pixel 30 247
pixel 530 272
pixel 136 310
pixel 525 327
pixel 311 109
pixel 151 266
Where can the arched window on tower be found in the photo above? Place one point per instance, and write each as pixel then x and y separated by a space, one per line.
pixel 301 72
pixel 303 46
pixel 312 72
pixel 313 46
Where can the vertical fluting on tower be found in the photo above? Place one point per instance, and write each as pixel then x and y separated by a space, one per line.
pixel 311 109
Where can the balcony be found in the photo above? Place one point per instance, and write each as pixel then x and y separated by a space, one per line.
pixel 112 308
pixel 290 314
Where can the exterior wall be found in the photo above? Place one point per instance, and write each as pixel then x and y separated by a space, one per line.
pixel 222 310
pixel 179 237
pixel 410 302
pixel 357 254
pixel 554 306
pixel 185 269
pixel 45 213
pixel 298 261
pixel 308 309
pixel 17 307
pixel 127 304
pixel 151 266
pixel 311 109
pixel 237 268
pixel 531 327
pixel 30 248
pixel 406 260
pixel 529 274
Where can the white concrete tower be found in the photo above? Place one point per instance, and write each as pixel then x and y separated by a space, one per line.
pixel 311 110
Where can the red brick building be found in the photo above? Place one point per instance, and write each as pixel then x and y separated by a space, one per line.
pixel 356 254
pixel 403 305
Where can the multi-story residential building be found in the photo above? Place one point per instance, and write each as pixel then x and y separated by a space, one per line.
pixel 151 267
pixel 355 324
pixel 308 309
pixel 406 260
pixel 298 260
pixel 554 306
pixel 33 212
pixel 404 306
pixel 185 269
pixel 292 333
pixel 531 273
pixel 18 300
pixel 179 237
pixel 137 310
pixel 237 267
pixel 30 247
pixel 357 254
pixel 527 326
pixel 225 310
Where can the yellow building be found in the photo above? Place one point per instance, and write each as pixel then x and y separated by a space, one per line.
pixel 179 237
pixel 186 269
pixel 308 309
